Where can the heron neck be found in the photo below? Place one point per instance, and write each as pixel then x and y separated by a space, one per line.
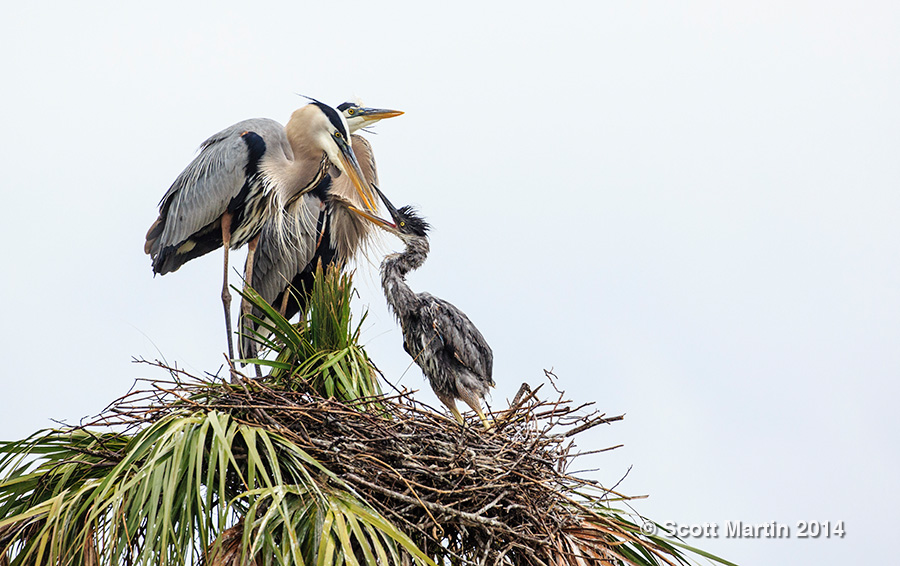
pixel 307 163
pixel 415 255
pixel 393 274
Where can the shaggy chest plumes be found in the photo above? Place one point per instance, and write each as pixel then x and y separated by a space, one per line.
pixel 316 227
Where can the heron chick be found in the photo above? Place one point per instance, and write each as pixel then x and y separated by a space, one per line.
pixel 440 338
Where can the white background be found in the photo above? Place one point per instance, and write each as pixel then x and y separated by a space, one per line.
pixel 689 213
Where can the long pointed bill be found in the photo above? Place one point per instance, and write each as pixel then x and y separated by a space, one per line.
pixel 372 115
pixel 359 117
pixel 390 206
pixel 351 168
pixel 389 226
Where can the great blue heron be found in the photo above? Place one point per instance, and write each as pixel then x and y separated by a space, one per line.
pixel 323 231
pixel 441 339
pixel 243 176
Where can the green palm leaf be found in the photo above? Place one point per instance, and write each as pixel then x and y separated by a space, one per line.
pixel 321 351
pixel 164 496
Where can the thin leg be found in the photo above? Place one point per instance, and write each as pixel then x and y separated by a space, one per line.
pixel 458 416
pixel 474 402
pixel 284 301
pixel 248 274
pixel 484 420
pixel 450 403
pixel 226 294
pixel 247 306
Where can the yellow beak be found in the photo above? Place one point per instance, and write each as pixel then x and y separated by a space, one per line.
pixel 350 167
pixel 389 226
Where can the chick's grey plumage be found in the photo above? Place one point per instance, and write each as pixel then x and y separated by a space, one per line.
pixel 451 351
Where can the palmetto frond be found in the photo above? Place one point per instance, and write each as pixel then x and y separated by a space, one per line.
pixel 163 496
pixel 322 350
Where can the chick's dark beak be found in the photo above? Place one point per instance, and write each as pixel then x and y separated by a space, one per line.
pixel 391 208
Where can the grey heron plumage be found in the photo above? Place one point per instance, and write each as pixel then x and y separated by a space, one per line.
pixel 323 230
pixel 243 177
pixel 453 354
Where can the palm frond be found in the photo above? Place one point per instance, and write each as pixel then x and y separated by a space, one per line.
pixel 164 495
pixel 322 350
pixel 289 524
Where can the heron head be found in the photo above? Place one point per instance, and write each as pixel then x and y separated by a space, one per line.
pixel 359 116
pixel 330 133
pixel 409 223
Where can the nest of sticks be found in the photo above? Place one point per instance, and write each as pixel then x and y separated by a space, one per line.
pixel 464 495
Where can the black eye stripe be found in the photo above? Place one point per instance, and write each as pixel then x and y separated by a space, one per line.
pixel 333 116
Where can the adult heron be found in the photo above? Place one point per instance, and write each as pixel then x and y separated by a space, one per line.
pixel 322 231
pixel 439 337
pixel 242 177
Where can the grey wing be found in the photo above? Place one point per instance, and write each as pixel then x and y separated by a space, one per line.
pixel 460 337
pixel 203 191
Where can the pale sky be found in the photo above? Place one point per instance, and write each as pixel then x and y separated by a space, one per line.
pixel 687 210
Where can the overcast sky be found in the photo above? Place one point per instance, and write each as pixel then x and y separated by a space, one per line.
pixel 689 213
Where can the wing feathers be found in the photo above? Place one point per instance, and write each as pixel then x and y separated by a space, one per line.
pixel 207 186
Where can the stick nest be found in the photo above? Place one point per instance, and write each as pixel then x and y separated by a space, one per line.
pixel 463 494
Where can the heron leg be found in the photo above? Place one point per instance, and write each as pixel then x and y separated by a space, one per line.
pixel 247 306
pixel 474 402
pixel 484 420
pixel 457 415
pixel 450 403
pixel 284 301
pixel 226 294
